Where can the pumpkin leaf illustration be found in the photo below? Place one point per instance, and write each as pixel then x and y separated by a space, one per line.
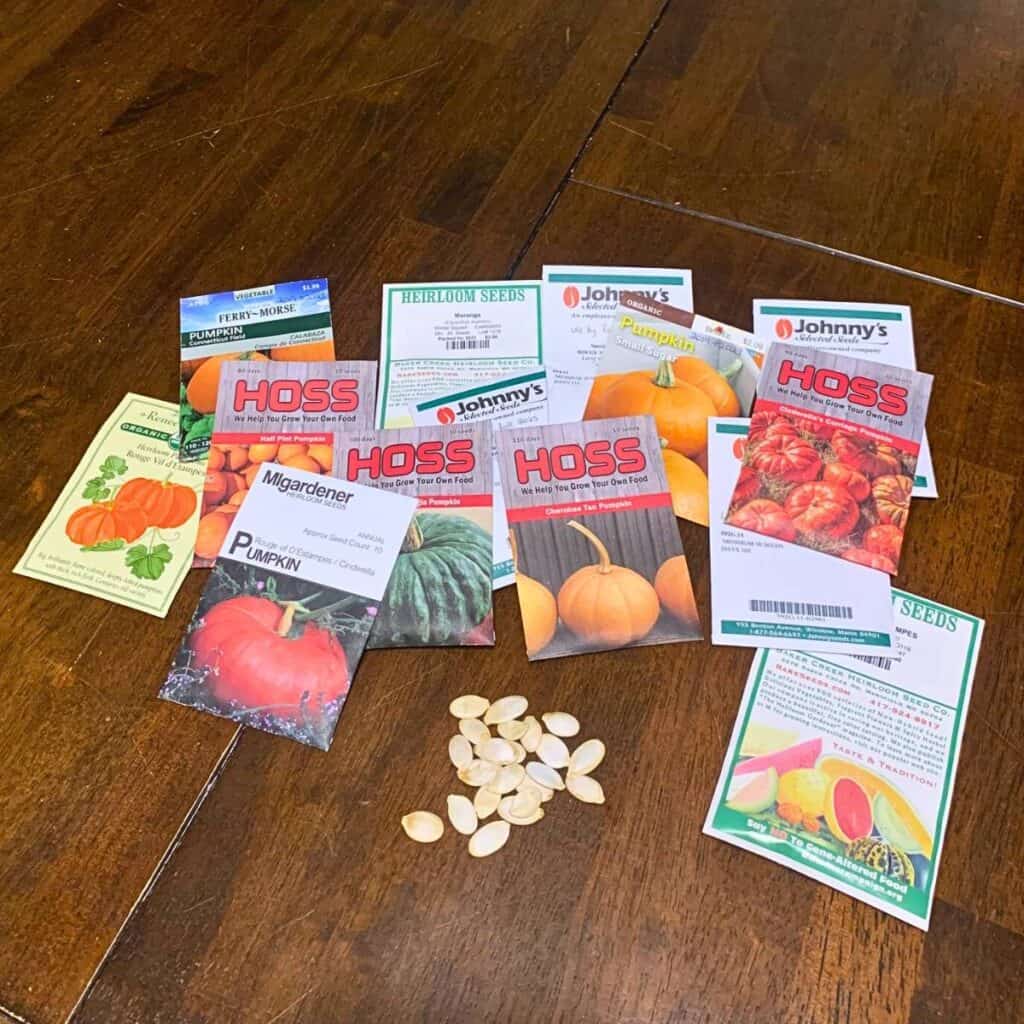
pixel 202 427
pixel 113 465
pixel 106 545
pixel 96 489
pixel 146 563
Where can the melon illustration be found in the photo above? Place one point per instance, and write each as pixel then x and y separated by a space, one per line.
pixel 757 795
pixel 762 739
pixel 800 755
pixel 848 810
pixel 805 788
pixel 891 826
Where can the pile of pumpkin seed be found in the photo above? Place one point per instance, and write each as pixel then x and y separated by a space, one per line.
pixel 496 766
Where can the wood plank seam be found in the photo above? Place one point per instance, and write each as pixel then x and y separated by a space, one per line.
pixel 7 1015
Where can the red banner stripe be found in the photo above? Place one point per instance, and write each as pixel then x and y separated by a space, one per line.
pixel 456 500
pixel 599 506
pixel 271 438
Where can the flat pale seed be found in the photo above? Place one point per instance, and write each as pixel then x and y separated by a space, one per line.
pixel 532 736
pixel 585 788
pixel 553 751
pixel 462 814
pixel 507 778
pixel 460 752
pixel 485 803
pixel 423 826
pixel 489 838
pixel 586 757
pixel 478 773
pixel 528 785
pixel 544 775
pixel 506 813
pixel 469 706
pixel 525 803
pixel 504 710
pixel 519 750
pixel 497 750
pixel 512 730
pixel 474 730
pixel 560 723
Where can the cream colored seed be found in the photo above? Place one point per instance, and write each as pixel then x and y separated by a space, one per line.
pixel 423 826
pixel 544 775
pixel 585 788
pixel 512 730
pixel 528 785
pixel 478 773
pixel 505 709
pixel 508 778
pixel 485 802
pixel 519 750
pixel 553 751
pixel 560 723
pixel 496 750
pixel 586 757
pixel 474 730
pixel 469 706
pixel 489 838
pixel 532 736
pixel 506 811
pixel 462 814
pixel 459 751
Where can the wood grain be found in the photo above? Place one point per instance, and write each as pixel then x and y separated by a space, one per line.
pixel 294 896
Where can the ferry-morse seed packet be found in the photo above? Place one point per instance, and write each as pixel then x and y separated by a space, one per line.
pixel 289 321
pixel 833 448
pixel 440 594
pixel 599 561
pixel 276 411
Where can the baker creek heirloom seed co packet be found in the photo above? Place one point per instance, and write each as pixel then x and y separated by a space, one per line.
pixel 766 593
pixel 440 591
pixel 124 525
pixel 519 401
pixel 286 612
pixel 659 361
pixel 842 768
pixel 599 561
pixel 449 336
pixel 276 411
pixel 289 321
pixel 579 305
pixel 866 330
pixel 833 446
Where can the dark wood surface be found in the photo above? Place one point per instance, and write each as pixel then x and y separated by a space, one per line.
pixel 161 867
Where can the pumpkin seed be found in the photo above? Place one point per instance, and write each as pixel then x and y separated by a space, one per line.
pixel 469 706
pixel 506 811
pixel 507 778
pixel 586 757
pixel 497 750
pixel 528 785
pixel 585 788
pixel 512 730
pixel 504 710
pixel 560 723
pixel 524 803
pixel 532 736
pixel 553 751
pixel 519 750
pixel 478 773
pixel 489 839
pixel 485 803
pixel 474 730
pixel 459 751
pixel 544 775
pixel 423 826
pixel 462 814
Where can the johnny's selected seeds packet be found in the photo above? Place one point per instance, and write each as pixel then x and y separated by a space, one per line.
pixel 599 561
pixel 830 458
pixel 440 592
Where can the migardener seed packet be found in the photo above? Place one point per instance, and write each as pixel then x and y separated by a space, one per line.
pixel 289 321
pixel 124 526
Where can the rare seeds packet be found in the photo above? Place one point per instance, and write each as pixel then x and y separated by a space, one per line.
pixel 440 592
pixel 124 525
pixel 277 321
pixel 274 411
pixel 842 768
pixel 833 449
pixel 284 617
pixel 681 369
pixel 599 561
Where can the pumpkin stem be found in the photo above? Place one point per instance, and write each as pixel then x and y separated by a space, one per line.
pixel 604 564
pixel 732 369
pixel 413 536
pixel 286 619
pixel 664 377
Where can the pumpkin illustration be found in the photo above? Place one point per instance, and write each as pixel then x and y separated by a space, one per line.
pixel 791 459
pixel 892 498
pixel 441 585
pixel 688 485
pixel 846 476
pixel 884 539
pixel 212 530
pixel 202 388
pixel 869 558
pixel 868 457
pixel 105 520
pixel 307 352
pixel 770 424
pixel 595 400
pixel 675 591
pixel 714 384
pixel 604 604
pixel 166 505
pixel 256 657
pixel 764 516
pixel 748 485
pixel 537 606
pixel 821 508
pixel 680 410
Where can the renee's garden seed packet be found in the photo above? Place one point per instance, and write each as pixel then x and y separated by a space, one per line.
pixel 276 411
pixel 518 401
pixel 659 361
pixel 124 525
pixel 766 593
pixel 278 321
pixel 842 768
pixel 284 618
pixel 832 452
pixel 599 561
pixel 867 330
pixel 440 592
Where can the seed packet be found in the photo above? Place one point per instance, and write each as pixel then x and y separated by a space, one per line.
pixel 440 593
pixel 275 411
pixel 124 525
pixel 599 561
pixel 512 402
pixel 833 449
pixel 278 321
pixel 283 619
pixel 681 369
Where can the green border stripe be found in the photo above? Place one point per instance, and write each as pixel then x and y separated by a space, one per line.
pixel 614 279
pixel 732 428
pixel 835 314
pixel 472 392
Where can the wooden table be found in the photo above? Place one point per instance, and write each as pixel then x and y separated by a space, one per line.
pixel 160 866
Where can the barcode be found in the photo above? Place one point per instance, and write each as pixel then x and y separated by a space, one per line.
pixel 878 662
pixel 822 611
pixel 461 344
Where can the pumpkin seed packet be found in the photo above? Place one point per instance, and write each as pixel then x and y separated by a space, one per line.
pixel 599 561
pixel 440 591
pixel 289 321
pixel 125 523
pixel 842 767
pixel 275 411
pixel 681 369
pixel 832 453
pixel 285 614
